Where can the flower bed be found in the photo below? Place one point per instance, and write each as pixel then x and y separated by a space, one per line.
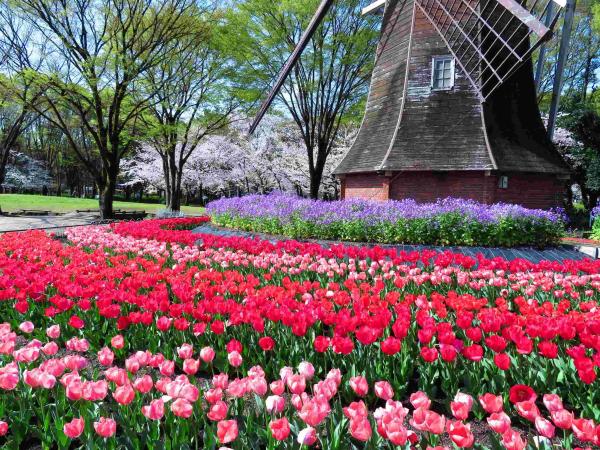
pixel 129 337
pixel 446 222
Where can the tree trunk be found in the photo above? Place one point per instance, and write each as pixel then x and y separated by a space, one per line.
pixel 106 189
pixel 316 175
pixel 4 152
pixel 175 175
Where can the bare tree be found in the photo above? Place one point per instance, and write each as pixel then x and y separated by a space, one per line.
pixel 332 76
pixel 96 52
pixel 18 92
pixel 194 89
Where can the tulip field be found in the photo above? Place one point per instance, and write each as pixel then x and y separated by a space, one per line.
pixel 147 336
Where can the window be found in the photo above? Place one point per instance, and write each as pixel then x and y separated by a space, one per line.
pixel 442 73
pixel 503 182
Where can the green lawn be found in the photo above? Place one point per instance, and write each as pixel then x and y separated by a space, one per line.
pixel 15 202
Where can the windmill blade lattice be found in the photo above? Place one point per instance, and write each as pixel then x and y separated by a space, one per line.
pixel 489 39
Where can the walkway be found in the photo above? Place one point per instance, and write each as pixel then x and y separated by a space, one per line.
pixel 531 254
pixel 22 223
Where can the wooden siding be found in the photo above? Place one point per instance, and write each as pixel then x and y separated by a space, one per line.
pixel 443 130
pixel 440 130
pixel 385 96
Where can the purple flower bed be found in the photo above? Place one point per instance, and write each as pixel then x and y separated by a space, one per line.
pixel 449 221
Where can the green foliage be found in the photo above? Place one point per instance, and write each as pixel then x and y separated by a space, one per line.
pixel 444 229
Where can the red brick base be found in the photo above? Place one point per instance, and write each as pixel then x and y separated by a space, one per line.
pixel 530 190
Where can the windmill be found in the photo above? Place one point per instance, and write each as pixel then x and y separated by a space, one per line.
pixel 452 106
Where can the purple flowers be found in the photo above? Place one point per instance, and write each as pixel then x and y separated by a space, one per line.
pixel 284 207
pixel 449 221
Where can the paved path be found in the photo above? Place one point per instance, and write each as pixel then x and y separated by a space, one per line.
pixel 9 223
pixel 531 254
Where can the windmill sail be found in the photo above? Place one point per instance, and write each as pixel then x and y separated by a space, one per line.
pixel 489 39
pixel 292 60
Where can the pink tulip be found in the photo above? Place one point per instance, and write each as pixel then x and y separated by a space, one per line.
pixel 53 332
pixel 361 429
pixel 275 404
pixel 552 402
pixel 213 395
pixel 124 395
pixel 143 384
pixel 50 349
pixel 27 327
pixel 74 428
pixel 191 366
pixel 182 408
pixel 584 429
pixel 280 429
pixel 419 399
pixel 235 359
pixel 167 368
pixel 307 436
pixel 117 342
pixel 207 354
pixel 185 351
pixel 544 427
pixel 4 428
pixel 384 390
pixel 296 384
pixel 459 410
pixel 217 411
pixel 512 440
pixel 491 403
pixel 220 381
pixel 359 385
pixel 105 427
pixel 562 419
pixel 227 431
pixel 499 422
pixel 528 410
pixel 277 387
pixel 306 369
pixel 460 434
pixel 154 411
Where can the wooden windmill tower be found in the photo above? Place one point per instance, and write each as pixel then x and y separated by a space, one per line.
pixel 452 107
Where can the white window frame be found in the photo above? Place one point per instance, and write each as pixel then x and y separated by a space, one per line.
pixel 503 182
pixel 452 72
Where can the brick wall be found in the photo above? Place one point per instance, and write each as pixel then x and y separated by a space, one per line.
pixel 369 186
pixel 530 190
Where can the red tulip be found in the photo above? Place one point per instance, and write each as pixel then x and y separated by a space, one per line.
pixel 266 343
pixel 521 393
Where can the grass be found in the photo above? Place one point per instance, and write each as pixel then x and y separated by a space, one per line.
pixel 16 202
